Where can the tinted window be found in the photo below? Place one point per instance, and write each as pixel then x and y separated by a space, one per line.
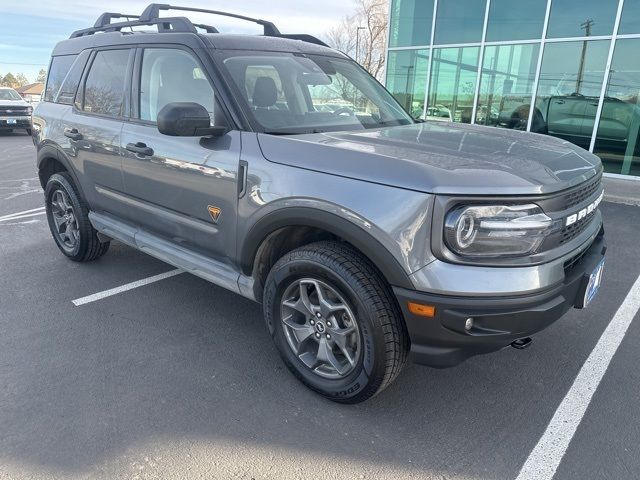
pixel 459 21
pixel 453 84
pixel 411 23
pixel 105 84
pixel 168 76
pixel 515 20
pixel 57 73
pixel 69 87
pixel 407 79
pixel 618 140
pixel 630 21
pixel 508 76
pixel 9 94
pixel 571 78
pixel 581 18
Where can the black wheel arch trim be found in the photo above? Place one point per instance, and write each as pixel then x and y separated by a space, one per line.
pixel 47 152
pixel 393 272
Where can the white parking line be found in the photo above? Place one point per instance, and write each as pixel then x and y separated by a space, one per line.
pixel 125 288
pixel 547 454
pixel 27 213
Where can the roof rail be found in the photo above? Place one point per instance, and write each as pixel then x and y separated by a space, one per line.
pixel 304 38
pixel 105 18
pixel 165 25
pixel 152 12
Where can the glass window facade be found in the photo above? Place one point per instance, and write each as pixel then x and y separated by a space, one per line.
pixel 630 21
pixel 515 20
pixel 407 79
pixel 453 79
pixel 459 21
pixel 410 23
pixel 506 86
pixel 581 18
pixel 569 90
pixel 618 139
pixel 536 69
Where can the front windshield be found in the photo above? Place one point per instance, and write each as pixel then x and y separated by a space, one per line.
pixel 9 94
pixel 290 93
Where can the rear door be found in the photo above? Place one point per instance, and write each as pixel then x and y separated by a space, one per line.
pixel 94 125
pixel 186 189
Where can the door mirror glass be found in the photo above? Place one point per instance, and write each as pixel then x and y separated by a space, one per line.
pixel 187 119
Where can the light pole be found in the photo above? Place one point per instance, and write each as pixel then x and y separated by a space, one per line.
pixel 358 41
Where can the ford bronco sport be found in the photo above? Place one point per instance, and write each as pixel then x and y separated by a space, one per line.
pixel 276 167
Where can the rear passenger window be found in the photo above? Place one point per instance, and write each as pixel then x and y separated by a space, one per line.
pixel 57 73
pixel 70 85
pixel 105 85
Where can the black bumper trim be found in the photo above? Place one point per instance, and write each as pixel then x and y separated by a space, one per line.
pixel 443 342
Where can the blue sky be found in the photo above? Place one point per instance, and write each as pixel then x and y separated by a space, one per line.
pixel 28 33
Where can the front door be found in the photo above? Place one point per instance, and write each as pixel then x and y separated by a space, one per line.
pixel 181 188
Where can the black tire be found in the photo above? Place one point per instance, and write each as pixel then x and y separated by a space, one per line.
pixel 382 330
pixel 29 131
pixel 87 247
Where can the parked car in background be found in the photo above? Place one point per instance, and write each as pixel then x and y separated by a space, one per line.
pixel 15 112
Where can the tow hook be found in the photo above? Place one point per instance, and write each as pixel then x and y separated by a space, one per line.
pixel 522 343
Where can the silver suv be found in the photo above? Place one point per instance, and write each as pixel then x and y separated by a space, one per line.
pixel 277 168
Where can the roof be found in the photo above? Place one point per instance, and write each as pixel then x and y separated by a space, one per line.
pixel 32 89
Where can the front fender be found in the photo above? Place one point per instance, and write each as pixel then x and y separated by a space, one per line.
pixel 357 231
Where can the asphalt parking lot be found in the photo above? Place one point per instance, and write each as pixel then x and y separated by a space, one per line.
pixel 179 379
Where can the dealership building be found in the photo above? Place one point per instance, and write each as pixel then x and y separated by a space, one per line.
pixel 566 68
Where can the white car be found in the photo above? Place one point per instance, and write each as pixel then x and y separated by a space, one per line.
pixel 15 112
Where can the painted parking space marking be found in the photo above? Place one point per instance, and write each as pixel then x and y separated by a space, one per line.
pixel 25 214
pixel 125 288
pixel 545 458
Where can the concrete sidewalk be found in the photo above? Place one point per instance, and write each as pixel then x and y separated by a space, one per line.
pixel 622 190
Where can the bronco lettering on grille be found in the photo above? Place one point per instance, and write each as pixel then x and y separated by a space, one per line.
pixel 571 219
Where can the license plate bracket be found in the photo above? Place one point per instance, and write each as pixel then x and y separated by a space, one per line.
pixel 591 286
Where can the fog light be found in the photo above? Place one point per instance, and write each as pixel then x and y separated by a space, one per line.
pixel 468 324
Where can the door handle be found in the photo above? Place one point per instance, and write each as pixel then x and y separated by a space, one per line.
pixel 140 149
pixel 72 133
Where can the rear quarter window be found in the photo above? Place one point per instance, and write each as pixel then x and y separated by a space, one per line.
pixel 58 70
pixel 70 84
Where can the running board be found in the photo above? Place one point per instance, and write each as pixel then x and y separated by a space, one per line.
pixel 216 272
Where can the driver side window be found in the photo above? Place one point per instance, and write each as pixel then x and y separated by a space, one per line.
pixel 172 75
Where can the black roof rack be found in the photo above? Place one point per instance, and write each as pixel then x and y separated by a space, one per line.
pixel 165 25
pixel 152 12
pixel 105 18
pixel 151 16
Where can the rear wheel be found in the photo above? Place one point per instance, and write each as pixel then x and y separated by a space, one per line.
pixel 68 218
pixel 335 321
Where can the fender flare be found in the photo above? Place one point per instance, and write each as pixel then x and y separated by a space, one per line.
pixel 53 151
pixel 311 217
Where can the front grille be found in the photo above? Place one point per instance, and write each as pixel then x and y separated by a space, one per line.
pixel 14 111
pixel 582 192
pixel 572 231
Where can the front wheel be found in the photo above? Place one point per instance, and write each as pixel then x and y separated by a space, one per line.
pixel 335 321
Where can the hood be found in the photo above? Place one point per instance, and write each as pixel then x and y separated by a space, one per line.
pixel 14 103
pixel 442 158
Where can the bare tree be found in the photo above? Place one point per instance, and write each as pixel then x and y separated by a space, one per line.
pixel 42 76
pixel 363 35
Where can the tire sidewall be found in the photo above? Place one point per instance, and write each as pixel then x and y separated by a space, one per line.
pixel 280 278
pixel 60 182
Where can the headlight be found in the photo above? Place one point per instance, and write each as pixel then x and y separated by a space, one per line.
pixel 496 230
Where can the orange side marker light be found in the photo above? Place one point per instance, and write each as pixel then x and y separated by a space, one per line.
pixel 422 310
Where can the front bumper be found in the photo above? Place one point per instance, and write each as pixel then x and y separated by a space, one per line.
pixel 442 341
pixel 20 122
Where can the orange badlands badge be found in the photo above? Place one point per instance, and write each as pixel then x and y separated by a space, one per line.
pixel 215 213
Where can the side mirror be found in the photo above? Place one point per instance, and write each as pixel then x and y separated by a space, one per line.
pixel 186 119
